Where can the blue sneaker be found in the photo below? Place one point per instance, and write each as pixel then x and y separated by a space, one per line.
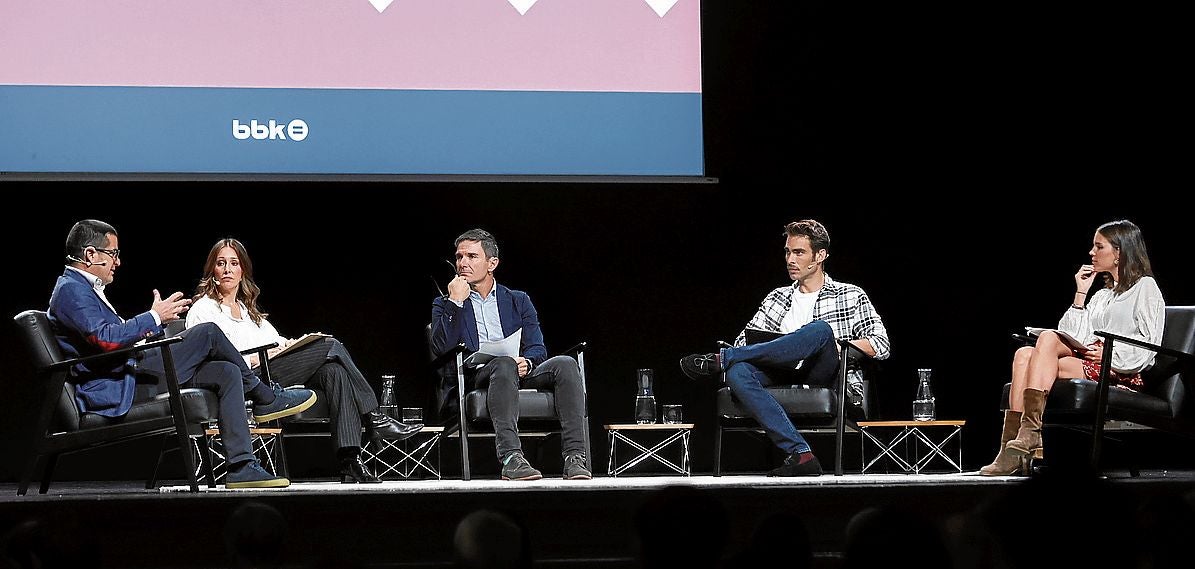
pixel 252 475
pixel 287 402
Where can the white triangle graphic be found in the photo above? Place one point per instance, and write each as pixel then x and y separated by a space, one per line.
pixel 381 5
pixel 661 6
pixel 522 5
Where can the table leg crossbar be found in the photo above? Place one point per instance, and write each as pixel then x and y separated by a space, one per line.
pixel 653 452
pixel 407 463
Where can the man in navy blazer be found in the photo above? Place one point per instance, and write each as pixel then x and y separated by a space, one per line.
pixel 477 309
pixel 85 323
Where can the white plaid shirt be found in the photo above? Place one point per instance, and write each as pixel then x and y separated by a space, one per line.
pixel 845 307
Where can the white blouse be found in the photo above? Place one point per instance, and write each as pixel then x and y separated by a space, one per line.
pixel 242 332
pixel 1138 313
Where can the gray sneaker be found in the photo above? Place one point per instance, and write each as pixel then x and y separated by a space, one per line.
pixel 517 468
pixel 574 468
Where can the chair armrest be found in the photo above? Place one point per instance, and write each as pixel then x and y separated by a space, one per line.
pixel 1143 344
pixel 446 356
pixel 853 353
pixel 577 348
pixel 260 349
pixel 129 350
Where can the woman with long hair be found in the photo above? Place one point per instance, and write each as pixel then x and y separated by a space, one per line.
pixel 227 296
pixel 1128 304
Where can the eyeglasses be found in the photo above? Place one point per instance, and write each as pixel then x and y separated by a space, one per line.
pixel 114 253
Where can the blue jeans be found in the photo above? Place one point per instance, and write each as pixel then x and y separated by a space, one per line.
pixel 751 368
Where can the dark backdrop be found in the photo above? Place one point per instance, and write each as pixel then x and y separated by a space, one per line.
pixel 961 175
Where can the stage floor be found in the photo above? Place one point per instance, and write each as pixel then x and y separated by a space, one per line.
pixel 130 489
pixel 571 523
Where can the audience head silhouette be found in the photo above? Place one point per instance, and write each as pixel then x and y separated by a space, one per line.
pixel 254 535
pixel 48 543
pixel 681 526
pixel 875 535
pixel 486 539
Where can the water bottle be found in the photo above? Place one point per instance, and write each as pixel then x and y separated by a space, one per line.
pixel 387 399
pixel 923 404
pixel 386 404
pixel 645 399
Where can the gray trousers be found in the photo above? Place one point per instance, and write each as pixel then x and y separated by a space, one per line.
pixel 559 374
pixel 327 365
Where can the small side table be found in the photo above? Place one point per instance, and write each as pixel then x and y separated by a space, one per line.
pixel 265 442
pixel 675 432
pixel 919 432
pixel 406 457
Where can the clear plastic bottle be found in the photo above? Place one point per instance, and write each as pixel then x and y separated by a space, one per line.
pixel 645 398
pixel 923 404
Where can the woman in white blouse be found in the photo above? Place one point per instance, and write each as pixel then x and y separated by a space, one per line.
pixel 1128 304
pixel 227 296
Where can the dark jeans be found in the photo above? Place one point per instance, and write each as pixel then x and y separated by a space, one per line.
pixel 559 374
pixel 751 368
pixel 205 358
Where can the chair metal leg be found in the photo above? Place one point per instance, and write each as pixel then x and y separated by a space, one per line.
pixel 718 452
pixel 464 434
pixel 840 422
pixel 283 469
pixel 48 472
pixel 180 418
pixel 153 475
pixel 27 474
pixel 209 465
pixel 1101 406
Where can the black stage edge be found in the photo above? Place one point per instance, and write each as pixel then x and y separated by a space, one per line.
pixel 571 524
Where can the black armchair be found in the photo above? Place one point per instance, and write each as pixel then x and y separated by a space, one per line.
pixel 537 409
pixel 61 428
pixel 813 409
pixel 1164 403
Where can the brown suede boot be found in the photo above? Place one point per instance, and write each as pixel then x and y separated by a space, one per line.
pixel 1006 464
pixel 1028 439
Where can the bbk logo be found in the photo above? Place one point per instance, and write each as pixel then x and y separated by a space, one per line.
pixel 295 130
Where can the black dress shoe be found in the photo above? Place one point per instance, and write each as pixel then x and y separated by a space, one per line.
pixel 382 426
pixel 353 470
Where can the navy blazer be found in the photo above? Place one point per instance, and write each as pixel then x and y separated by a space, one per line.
pixel 453 325
pixel 84 326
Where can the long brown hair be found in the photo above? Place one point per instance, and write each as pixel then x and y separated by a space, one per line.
pixel 209 285
pixel 1125 236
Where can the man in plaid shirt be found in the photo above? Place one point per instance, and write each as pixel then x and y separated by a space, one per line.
pixel 810 314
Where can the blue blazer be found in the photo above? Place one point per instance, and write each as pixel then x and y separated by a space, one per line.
pixel 453 325
pixel 85 326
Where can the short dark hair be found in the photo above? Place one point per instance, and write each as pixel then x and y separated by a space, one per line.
pixel 488 243
pixel 87 233
pixel 818 237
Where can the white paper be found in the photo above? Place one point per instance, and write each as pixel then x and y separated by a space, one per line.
pixel 508 346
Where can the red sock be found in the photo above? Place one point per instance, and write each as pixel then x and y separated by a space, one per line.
pixel 804 457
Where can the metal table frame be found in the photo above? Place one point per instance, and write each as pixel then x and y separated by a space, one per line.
pixel 681 432
pixel 265 443
pixel 911 430
pixel 408 462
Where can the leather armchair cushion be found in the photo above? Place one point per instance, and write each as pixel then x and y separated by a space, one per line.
pixel 318 412
pixel 533 405
pixel 198 405
pixel 1077 396
pixel 808 404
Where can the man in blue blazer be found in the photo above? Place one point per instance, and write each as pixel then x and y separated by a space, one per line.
pixel 477 309
pixel 85 323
